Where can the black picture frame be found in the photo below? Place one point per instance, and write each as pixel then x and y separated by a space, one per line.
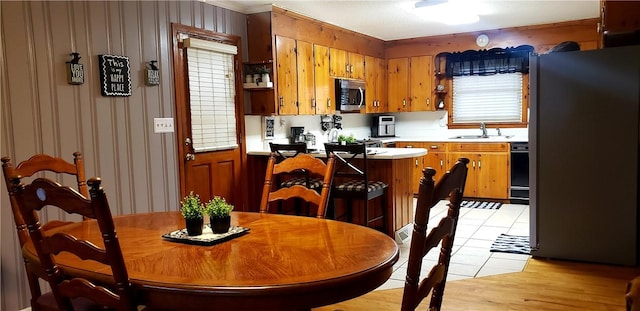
pixel 115 75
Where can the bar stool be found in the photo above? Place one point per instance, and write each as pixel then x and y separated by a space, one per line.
pixel 351 182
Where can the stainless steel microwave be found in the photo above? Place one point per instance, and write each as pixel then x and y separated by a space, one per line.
pixel 350 94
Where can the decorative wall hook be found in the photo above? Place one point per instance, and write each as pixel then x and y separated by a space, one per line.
pixel 75 70
pixel 152 74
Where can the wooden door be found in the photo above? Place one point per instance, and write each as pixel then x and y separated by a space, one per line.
pixel 420 83
pixel 338 60
pixel 398 76
pixel 436 160
pixel 325 86
pixel 493 175
pixel 356 66
pixel 206 172
pixel 306 78
pixel 287 76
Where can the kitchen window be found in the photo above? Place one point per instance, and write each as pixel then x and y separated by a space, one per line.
pixel 488 86
pixel 491 99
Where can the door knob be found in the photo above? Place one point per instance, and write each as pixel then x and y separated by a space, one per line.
pixel 190 157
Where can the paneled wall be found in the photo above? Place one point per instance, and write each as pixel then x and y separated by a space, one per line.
pixel 41 113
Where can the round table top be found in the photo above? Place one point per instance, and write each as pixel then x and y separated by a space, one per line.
pixel 284 262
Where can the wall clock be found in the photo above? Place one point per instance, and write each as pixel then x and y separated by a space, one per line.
pixel 482 40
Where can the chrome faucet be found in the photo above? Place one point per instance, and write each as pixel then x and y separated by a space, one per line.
pixel 483 127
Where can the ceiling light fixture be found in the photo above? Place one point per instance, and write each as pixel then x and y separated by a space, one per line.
pixel 450 12
pixel 425 3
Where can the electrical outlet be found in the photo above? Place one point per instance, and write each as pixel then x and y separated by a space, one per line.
pixel 163 125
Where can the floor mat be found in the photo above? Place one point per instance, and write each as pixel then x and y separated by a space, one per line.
pixel 515 244
pixel 481 204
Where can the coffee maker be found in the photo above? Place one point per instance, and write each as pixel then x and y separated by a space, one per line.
pixel 297 135
pixel 383 126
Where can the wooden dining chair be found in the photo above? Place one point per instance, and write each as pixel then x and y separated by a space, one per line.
pixel 36 164
pixel 429 194
pixel 352 182
pixel 313 166
pixel 284 151
pixel 76 293
pixel 301 177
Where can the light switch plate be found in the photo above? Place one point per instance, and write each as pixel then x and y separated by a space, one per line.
pixel 163 125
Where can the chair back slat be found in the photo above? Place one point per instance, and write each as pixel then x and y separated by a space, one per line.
pixel 45 193
pixel 450 185
pixel 345 155
pixel 288 150
pixel 310 165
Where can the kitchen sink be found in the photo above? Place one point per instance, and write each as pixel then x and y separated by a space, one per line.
pixel 480 137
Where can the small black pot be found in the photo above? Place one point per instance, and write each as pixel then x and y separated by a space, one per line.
pixel 220 224
pixel 194 226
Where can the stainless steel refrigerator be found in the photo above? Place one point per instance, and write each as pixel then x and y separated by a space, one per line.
pixel 583 144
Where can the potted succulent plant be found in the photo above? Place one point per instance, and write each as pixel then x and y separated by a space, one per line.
pixel 193 213
pixel 343 139
pixel 219 214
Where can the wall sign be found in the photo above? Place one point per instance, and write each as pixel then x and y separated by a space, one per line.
pixel 75 70
pixel 269 127
pixel 115 75
pixel 152 74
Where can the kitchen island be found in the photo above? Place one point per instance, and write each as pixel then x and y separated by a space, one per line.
pixel 391 165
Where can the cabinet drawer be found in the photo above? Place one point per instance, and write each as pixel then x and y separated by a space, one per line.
pixel 479 147
pixel 435 147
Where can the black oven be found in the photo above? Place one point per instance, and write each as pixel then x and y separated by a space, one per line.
pixel 519 189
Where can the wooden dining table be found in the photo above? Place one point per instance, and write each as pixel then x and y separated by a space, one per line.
pixel 283 262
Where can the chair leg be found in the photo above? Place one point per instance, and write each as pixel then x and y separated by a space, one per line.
pixel 383 205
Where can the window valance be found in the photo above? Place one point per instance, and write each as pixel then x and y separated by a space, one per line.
pixel 488 62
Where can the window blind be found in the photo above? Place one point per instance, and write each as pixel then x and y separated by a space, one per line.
pixel 490 99
pixel 211 96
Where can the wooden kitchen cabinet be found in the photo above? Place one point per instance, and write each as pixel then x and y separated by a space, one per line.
pixel 619 16
pixel 325 86
pixel 306 78
pixel 435 158
pixel 420 86
pixel 376 84
pixel 410 85
pixel 286 76
pixel 488 175
pixel 344 64
pixel 398 84
pixel 303 82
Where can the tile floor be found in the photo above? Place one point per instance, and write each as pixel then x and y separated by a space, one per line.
pixel 477 230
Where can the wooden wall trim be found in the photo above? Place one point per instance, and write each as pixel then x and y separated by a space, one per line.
pixel 541 37
pixel 289 24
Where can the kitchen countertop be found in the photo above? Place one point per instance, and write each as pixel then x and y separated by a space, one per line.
pixel 449 139
pixel 372 153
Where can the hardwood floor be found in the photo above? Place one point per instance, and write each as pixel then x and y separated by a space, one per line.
pixel 543 285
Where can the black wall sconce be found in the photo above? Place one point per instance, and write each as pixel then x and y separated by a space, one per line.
pixel 152 74
pixel 75 70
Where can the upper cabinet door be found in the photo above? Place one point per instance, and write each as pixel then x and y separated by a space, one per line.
pixel 339 64
pixel 287 76
pixel 398 82
pixel 325 87
pixel 345 64
pixel 376 80
pixel 356 66
pixel 421 75
pixel 306 79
